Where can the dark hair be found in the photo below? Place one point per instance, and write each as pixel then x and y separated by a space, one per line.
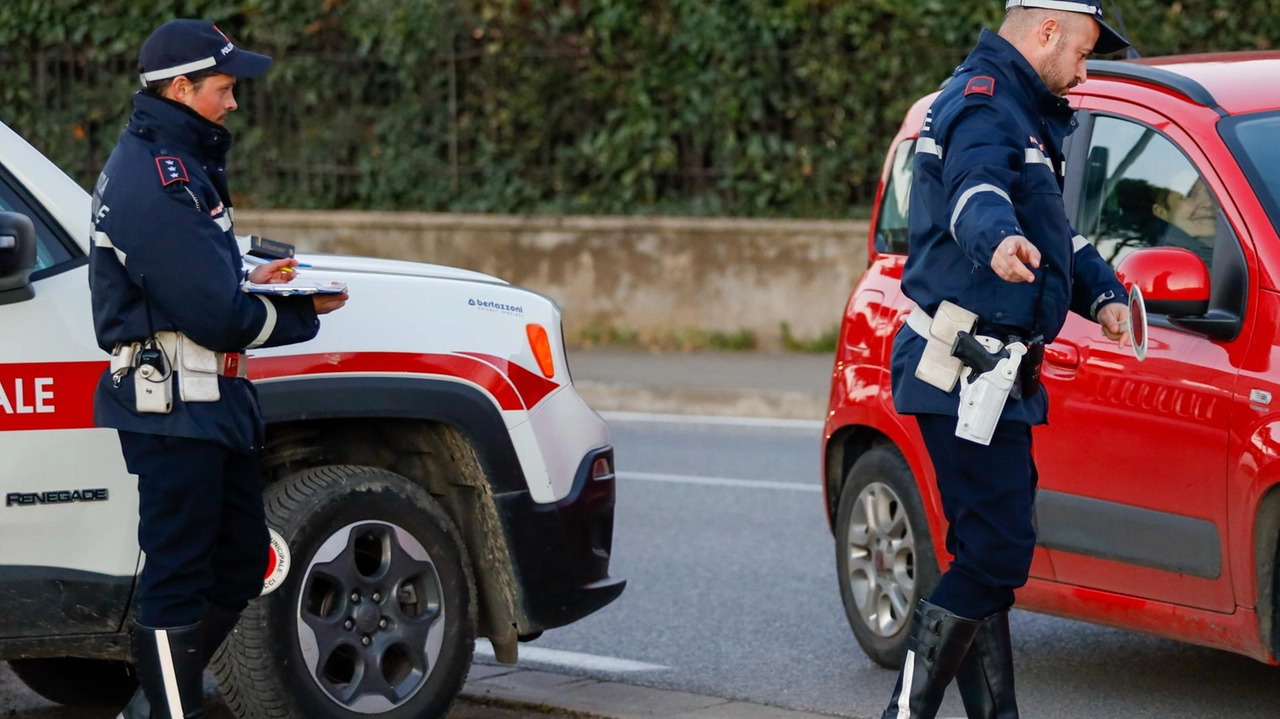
pixel 156 88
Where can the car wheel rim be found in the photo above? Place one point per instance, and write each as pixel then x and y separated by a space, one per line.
pixel 881 550
pixel 371 617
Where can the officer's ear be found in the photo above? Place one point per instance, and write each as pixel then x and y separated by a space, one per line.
pixel 1048 32
pixel 181 89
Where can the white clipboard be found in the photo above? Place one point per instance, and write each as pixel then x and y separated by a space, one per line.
pixel 286 289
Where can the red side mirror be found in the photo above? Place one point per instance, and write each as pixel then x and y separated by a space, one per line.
pixel 1173 281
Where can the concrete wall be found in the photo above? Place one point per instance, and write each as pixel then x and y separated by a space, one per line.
pixel 653 276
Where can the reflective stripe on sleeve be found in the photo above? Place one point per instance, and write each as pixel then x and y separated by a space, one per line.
pixel 930 146
pixel 268 326
pixel 968 195
pixel 1097 304
pixel 1036 157
pixel 100 239
pixel 1079 242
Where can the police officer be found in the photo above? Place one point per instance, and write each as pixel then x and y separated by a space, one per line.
pixel 993 255
pixel 165 275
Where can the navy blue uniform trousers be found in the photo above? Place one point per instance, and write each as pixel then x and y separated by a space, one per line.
pixel 201 524
pixel 987 496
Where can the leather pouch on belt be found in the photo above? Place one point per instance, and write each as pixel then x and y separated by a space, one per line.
pixel 1029 371
pixel 197 372
pixel 937 367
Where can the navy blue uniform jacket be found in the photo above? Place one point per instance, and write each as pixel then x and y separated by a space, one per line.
pixel 989 164
pixel 162 210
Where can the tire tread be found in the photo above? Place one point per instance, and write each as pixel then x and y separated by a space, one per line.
pixel 244 666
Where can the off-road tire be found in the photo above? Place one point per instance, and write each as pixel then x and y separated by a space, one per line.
pixel 261 668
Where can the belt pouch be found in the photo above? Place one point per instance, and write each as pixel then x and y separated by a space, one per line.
pixel 937 367
pixel 152 390
pixel 1029 371
pixel 197 372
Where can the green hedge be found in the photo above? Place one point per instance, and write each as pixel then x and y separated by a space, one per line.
pixel 735 107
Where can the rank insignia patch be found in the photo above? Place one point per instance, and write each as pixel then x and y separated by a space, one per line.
pixel 171 170
pixel 981 85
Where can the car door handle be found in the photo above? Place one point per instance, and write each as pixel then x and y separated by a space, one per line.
pixel 1062 354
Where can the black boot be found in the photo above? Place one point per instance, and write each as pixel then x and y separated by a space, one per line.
pixel 986 675
pixel 214 628
pixel 171 671
pixel 936 647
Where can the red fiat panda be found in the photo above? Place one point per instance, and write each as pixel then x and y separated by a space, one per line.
pixel 1159 496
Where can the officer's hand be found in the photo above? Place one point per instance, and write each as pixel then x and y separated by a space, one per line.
pixel 1012 257
pixel 1114 319
pixel 328 303
pixel 275 272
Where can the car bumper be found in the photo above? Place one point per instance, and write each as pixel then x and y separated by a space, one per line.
pixel 562 549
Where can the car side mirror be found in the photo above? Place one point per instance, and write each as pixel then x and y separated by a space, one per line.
pixel 1173 281
pixel 17 257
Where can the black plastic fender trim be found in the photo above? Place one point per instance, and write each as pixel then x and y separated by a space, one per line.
pixel 465 408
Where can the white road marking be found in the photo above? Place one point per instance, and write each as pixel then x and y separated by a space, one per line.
pixel 719 481
pixel 575 660
pixel 812 424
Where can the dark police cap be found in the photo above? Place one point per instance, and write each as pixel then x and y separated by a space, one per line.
pixel 182 47
pixel 1109 40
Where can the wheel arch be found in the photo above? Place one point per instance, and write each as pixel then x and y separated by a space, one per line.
pixel 447 436
pixel 844 448
pixel 1267 561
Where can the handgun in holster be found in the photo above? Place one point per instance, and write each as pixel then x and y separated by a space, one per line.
pixel 989 376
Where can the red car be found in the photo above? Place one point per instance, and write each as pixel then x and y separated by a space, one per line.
pixel 1159 498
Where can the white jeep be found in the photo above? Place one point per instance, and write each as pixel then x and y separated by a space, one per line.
pixel 432 476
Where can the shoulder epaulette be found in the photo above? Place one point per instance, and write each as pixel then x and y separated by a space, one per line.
pixel 981 85
pixel 171 170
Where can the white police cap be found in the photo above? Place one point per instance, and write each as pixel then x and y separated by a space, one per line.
pixel 1109 40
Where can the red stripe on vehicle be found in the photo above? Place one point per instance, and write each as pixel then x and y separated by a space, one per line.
pixel 532 387
pixel 48 395
pixel 463 367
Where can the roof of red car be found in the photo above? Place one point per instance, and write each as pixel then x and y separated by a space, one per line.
pixel 1240 82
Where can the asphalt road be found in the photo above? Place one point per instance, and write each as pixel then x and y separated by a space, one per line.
pixel 732 592
pixel 18 702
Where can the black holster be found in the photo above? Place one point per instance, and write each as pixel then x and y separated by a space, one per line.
pixel 1029 371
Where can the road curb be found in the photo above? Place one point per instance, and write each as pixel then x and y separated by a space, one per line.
pixel 505 685
pixel 605 397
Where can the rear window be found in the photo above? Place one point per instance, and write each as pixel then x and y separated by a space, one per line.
pixel 891 224
pixel 1252 139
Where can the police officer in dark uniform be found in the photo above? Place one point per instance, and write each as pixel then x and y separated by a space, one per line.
pixel 992 257
pixel 166 275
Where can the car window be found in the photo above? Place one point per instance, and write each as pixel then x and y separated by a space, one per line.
pixel 49 251
pixel 1252 140
pixel 891 225
pixel 1140 191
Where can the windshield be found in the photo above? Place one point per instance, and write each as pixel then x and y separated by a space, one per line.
pixel 1252 138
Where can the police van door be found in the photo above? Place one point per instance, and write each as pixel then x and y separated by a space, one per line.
pixel 68 524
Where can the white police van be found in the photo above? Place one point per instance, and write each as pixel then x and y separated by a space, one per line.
pixel 432 477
